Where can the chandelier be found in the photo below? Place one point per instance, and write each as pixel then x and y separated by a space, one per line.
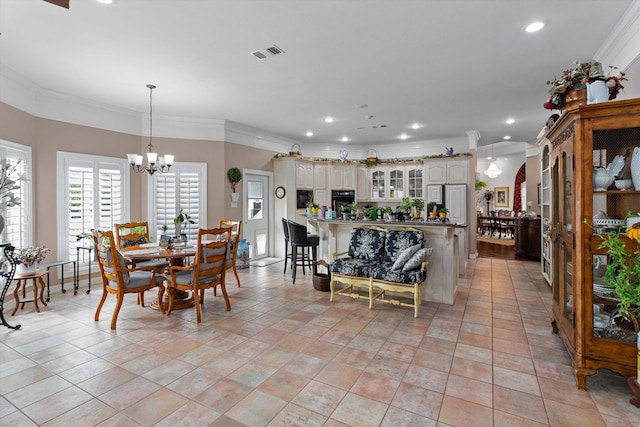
pixel 493 170
pixel 154 163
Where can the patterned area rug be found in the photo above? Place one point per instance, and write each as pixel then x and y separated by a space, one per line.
pixel 504 241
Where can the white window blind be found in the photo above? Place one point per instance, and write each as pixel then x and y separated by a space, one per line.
pixel 183 188
pixel 18 219
pixel 93 195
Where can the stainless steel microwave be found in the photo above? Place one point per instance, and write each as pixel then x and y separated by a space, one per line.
pixel 303 198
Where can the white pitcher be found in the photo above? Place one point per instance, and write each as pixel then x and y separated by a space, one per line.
pixel 597 92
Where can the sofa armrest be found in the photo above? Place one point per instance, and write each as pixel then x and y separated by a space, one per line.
pixel 339 254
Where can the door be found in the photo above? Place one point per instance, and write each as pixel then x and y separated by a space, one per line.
pixel 257 191
pixel 456 201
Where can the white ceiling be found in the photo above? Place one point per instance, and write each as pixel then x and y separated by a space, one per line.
pixel 453 66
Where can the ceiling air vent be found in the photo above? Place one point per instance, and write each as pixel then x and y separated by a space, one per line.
pixel 275 50
pixel 259 55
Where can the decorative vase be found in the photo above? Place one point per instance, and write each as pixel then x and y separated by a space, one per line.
pixel 601 180
pixel 433 214
pixel 597 92
pixel 23 270
pixel 574 99
pixel 635 168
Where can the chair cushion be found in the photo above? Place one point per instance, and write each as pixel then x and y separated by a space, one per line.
pixel 184 277
pixel 367 244
pixel 120 262
pixel 385 272
pixel 138 279
pixel 126 242
pixel 417 259
pixel 398 240
pixel 405 255
pixel 353 267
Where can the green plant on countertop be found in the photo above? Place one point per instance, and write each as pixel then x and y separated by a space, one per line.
pixel 431 206
pixel 371 212
pixel 418 204
pixel 182 218
pixel 406 204
pixel 444 210
pixel 351 207
pixel 388 210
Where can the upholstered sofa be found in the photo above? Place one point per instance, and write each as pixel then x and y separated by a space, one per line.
pixel 380 261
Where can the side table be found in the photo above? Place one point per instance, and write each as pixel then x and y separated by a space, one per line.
pixel 7 275
pixel 21 281
pixel 87 249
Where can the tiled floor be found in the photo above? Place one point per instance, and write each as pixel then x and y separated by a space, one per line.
pixel 286 356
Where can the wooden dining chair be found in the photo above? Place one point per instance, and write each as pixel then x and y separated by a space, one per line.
pixel 208 270
pixel 119 279
pixel 236 234
pixel 131 235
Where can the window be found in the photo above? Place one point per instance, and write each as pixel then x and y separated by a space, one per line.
pixel 255 195
pixel 18 219
pixel 184 187
pixel 93 193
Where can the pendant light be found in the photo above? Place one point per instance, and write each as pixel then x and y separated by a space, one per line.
pixel 493 170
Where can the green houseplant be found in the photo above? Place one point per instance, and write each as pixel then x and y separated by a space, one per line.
pixel 181 218
pixel 235 176
pixel 419 205
pixel 431 208
pixel 443 212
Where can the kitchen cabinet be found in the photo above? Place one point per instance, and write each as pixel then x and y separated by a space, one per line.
pixel 342 177
pixel 415 187
pixel 363 189
pixel 378 182
pixel 304 175
pixel 447 171
pixel 396 183
pixel 604 130
pixel 320 177
pixel 455 200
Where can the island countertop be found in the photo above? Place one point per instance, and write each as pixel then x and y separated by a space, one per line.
pixel 414 223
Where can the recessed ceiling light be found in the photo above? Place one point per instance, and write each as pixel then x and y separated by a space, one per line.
pixel 344 139
pixel 309 133
pixel 106 1
pixel 533 27
pixel 506 137
pixel 404 136
pixel 329 119
pixel 511 121
pixel 416 126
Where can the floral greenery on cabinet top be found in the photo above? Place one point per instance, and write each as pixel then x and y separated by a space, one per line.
pixel 378 162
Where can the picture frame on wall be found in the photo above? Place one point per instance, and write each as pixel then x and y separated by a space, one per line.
pixel 501 197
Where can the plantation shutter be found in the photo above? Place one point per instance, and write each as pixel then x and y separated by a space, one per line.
pixel 183 188
pixel 94 199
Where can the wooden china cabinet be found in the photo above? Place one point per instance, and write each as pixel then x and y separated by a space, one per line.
pixel 582 138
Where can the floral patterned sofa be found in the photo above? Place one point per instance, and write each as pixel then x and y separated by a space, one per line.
pixel 381 261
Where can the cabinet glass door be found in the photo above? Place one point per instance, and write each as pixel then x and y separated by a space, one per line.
pixel 415 183
pixel 396 184
pixel 378 185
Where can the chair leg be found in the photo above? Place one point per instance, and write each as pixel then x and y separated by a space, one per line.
pixel 160 296
pixel 101 303
pixel 196 300
pixel 235 272
pixel 141 298
pixel 171 292
pixel 116 311
pixel 294 262
pixel 226 297
pixel 286 250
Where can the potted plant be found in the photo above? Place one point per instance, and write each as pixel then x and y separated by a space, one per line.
pixel 567 87
pixel 443 212
pixel 371 213
pixel 406 204
pixel 389 214
pixel 235 176
pixel 29 258
pixel 180 219
pixel 480 185
pixel 315 208
pixel 623 276
pixel 431 208
pixel 419 205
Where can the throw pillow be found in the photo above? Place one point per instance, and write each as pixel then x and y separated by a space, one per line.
pixel 405 256
pixel 417 259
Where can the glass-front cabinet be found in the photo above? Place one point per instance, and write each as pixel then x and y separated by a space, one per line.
pixel 414 175
pixel 583 140
pixel 378 184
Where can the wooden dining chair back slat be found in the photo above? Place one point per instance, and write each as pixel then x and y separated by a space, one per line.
pixel 131 234
pixel 236 234
pixel 118 278
pixel 207 271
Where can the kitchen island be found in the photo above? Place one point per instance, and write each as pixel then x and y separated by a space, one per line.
pixel 445 264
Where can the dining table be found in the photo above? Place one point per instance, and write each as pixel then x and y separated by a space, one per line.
pixel 177 255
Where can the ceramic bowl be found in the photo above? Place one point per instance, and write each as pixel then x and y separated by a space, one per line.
pixel 623 184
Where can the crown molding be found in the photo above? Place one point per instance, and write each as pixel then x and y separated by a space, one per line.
pixel 620 49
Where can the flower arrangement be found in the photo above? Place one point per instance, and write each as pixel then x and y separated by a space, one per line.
pixel 30 255
pixel 9 182
pixel 577 77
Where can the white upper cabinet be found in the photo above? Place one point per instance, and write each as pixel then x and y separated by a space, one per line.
pixel 342 177
pixel 304 175
pixel 363 192
pixel 379 189
pixel 415 181
pixel 447 171
pixel 457 171
pixel 320 177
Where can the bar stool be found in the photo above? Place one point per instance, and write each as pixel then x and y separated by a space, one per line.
pixel 301 241
pixel 287 244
